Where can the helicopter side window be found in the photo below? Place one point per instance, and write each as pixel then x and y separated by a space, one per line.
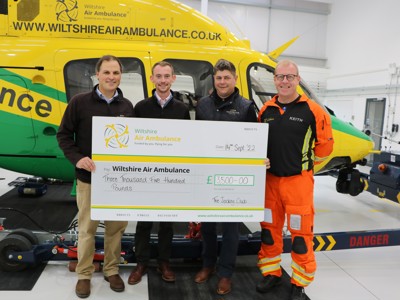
pixel 314 97
pixel 80 76
pixel 261 83
pixel 194 80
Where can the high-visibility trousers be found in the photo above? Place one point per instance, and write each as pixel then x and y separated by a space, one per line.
pixel 290 197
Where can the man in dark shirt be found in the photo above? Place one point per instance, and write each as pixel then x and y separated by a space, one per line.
pixel 75 139
pixel 163 105
pixel 224 104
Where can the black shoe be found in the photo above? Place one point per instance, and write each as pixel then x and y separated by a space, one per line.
pixel 297 293
pixel 267 283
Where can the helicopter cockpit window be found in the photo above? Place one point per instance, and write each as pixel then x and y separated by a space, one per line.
pixel 310 94
pixel 80 76
pixel 261 81
pixel 194 80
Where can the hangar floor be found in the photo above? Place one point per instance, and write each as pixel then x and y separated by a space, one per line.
pixel 365 274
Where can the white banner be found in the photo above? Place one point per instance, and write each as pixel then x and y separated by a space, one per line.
pixel 178 170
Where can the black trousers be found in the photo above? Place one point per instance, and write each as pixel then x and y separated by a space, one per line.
pixel 228 252
pixel 142 241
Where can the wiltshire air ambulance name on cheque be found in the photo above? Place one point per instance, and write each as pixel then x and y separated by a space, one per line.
pixel 178 170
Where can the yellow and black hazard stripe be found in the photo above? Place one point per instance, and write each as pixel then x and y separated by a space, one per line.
pixel 324 242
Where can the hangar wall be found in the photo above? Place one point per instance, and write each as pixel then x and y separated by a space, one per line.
pixel 348 51
pixel 363 47
pixel 272 23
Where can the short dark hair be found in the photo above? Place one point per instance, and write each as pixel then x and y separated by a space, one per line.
pixel 163 63
pixel 223 64
pixel 107 58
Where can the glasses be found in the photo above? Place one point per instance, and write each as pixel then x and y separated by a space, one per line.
pixel 289 77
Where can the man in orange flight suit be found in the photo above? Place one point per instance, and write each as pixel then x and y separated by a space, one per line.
pixel 300 136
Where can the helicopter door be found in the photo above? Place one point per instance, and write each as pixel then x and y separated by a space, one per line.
pixel 16 105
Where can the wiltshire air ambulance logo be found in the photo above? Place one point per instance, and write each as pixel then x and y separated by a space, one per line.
pixel 116 136
pixel 67 10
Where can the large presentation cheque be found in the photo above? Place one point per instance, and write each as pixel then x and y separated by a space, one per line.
pixel 178 170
